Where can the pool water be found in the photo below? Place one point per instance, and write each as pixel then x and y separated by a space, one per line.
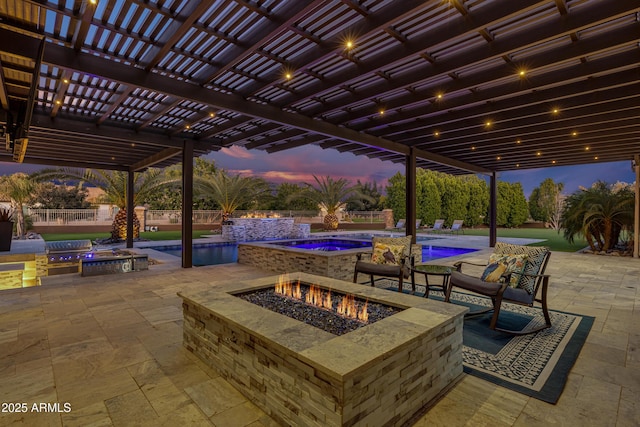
pixel 225 253
pixel 329 245
pixel 208 254
pixel 430 252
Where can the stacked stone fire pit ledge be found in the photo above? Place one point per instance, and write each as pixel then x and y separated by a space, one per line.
pixel 380 374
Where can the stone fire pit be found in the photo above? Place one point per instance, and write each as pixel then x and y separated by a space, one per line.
pixel 380 374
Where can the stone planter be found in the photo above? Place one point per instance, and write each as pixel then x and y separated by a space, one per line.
pixel 6 235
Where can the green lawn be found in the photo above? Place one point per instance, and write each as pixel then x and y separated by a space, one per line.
pixel 552 239
pixel 157 235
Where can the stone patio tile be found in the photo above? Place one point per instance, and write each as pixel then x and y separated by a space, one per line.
pixel 240 415
pixel 608 373
pixel 215 396
pixel 36 385
pixel 604 353
pixel 187 415
pixel 112 318
pixel 131 408
pixel 616 340
pixel 95 415
pixel 162 314
pixel 96 388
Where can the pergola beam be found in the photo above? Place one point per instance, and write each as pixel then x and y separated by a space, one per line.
pixel 163 155
pixel 69 59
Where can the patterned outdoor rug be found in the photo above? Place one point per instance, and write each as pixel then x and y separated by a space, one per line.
pixel 536 365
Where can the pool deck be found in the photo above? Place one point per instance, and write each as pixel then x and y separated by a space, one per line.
pixel 112 347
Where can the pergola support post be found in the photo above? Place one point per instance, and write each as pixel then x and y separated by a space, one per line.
pixel 493 209
pixel 410 186
pixel 131 210
pixel 636 213
pixel 187 204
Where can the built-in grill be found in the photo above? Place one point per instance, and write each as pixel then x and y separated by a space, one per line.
pixel 68 251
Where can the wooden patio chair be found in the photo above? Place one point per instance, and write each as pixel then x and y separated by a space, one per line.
pixel 515 274
pixel 390 257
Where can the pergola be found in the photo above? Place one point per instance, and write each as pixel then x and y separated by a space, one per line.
pixel 477 86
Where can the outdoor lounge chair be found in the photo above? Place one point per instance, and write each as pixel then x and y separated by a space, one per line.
pixel 515 274
pixel 399 225
pixel 390 257
pixel 437 226
pixel 456 227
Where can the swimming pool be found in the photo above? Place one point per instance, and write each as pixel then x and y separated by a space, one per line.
pixel 225 253
pixel 205 254
pixel 430 252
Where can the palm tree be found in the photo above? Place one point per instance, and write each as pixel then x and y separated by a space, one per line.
pixel 231 191
pixel 599 214
pixel 18 188
pixel 331 195
pixel 114 185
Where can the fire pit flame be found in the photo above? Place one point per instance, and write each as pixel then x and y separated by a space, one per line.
pixel 347 307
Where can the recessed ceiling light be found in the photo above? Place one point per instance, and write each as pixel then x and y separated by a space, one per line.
pixel 522 73
pixel 381 111
pixel 539 153
pixel 65 81
pixel 517 165
pixel 586 148
pixel 574 133
pixel 488 123
pixel 553 161
pixel 436 133
pixel 212 114
pixel 499 158
pixel 595 158
pixel 188 127
pixel 349 44
pixel 518 141
pixel 555 110
pixel 473 147
pixel 439 96
pixel 58 102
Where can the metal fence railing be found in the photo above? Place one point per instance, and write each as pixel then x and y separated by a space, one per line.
pixel 369 217
pixel 153 217
pixel 70 216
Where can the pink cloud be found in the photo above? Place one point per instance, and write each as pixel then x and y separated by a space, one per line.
pixel 237 152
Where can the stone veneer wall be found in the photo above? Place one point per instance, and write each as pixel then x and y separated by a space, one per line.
pixel 382 374
pixel 253 229
pixel 19 271
pixel 11 277
pixel 337 265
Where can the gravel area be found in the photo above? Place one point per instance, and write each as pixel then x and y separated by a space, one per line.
pixel 329 321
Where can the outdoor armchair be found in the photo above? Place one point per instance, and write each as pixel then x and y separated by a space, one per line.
pixel 515 274
pixel 390 257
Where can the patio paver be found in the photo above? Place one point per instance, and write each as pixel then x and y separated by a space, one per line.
pixel 111 346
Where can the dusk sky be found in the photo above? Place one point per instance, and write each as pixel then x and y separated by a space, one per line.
pixel 298 165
